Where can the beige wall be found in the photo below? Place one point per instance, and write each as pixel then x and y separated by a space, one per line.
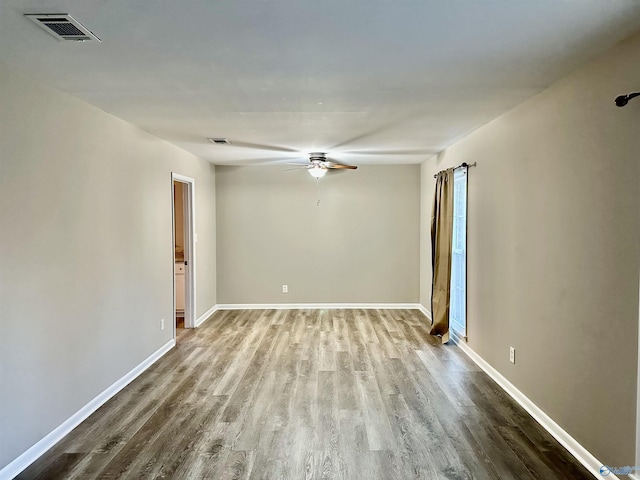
pixel 554 249
pixel 427 190
pixel 359 245
pixel 87 262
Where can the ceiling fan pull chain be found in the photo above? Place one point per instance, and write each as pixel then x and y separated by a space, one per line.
pixel 318 192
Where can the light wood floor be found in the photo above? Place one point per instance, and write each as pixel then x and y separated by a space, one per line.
pixel 344 394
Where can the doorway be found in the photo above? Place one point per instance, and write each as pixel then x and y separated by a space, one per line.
pixel 182 208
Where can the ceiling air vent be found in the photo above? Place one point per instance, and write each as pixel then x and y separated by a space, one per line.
pixel 62 26
pixel 219 141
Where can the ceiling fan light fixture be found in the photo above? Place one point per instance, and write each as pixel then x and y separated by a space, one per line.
pixel 317 171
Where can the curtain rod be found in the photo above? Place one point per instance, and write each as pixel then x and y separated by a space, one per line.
pixel 462 165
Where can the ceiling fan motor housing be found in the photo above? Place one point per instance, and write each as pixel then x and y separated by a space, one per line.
pixel 317 157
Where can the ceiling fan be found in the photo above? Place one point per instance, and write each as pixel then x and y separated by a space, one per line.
pixel 318 165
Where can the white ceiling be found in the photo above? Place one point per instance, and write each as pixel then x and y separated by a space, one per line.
pixel 368 81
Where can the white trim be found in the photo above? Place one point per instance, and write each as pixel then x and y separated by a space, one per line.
pixel 427 313
pixel 315 306
pixel 32 454
pixel 189 192
pixel 173 258
pixel 457 338
pixel 181 178
pixel 634 476
pixel 581 454
pixel 191 270
pixel 637 477
pixel 459 176
pixel 206 315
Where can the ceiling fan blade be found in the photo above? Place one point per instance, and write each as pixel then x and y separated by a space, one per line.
pixel 339 166
pixel 259 146
pixel 395 123
pixel 306 164
pixel 390 152
pixel 300 167
pixel 362 136
pixel 254 161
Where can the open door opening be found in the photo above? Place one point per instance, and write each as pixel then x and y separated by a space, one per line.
pixel 183 252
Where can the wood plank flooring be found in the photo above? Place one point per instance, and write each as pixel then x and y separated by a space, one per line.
pixel 310 394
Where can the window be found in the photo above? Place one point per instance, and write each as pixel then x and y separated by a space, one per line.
pixel 458 309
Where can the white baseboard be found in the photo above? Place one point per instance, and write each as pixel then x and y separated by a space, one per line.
pixel 315 306
pixel 634 476
pixel 206 315
pixel 581 454
pixel 426 312
pixel 37 450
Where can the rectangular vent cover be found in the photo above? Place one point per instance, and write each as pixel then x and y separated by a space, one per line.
pixel 219 141
pixel 62 26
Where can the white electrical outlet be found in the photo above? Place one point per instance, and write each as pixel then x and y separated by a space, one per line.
pixel 512 355
pixel 162 324
pixel 285 288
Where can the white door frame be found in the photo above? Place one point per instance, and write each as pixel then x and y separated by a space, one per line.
pixel 636 474
pixel 189 192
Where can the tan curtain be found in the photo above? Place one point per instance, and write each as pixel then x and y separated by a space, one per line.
pixel 441 237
